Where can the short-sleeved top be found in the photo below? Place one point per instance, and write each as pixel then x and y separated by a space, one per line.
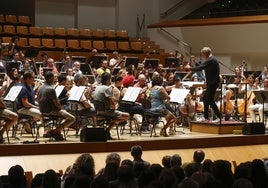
pixel 46 95
pixel 26 92
pixel 158 101
pixel 102 93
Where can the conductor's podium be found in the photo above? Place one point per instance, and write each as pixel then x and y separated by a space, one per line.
pixel 225 127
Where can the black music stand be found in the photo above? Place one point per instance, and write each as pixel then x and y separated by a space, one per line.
pixel 172 62
pixel 262 97
pixel 84 67
pixel 132 61
pixel 151 63
pixel 31 53
pixel 255 73
pixel 10 65
pixel 95 60
pixel 81 59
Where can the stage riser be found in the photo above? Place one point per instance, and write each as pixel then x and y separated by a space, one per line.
pixel 214 128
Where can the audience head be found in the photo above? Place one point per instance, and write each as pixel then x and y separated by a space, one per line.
pixel 222 171
pixel 136 152
pixel 99 182
pixel 51 179
pixel 127 162
pixel 242 183
pixel 188 183
pixel 16 176
pixel 84 162
pixel 175 160
pixel 166 161
pixel 206 167
pixel 199 156
pixel 167 179
pixel 113 158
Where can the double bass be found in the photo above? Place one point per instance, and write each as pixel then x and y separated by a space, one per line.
pixel 188 108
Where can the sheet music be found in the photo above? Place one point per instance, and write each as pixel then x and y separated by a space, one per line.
pixel 59 89
pixel 76 93
pixel 191 84
pixel 178 95
pixel 13 93
pixel 131 94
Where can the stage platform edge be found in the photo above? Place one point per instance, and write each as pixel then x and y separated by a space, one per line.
pixel 225 127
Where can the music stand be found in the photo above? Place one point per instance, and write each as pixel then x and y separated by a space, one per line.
pixel 172 62
pixel 31 53
pixel 262 97
pixel 59 65
pixel 45 69
pixel 180 74
pixel 255 73
pixel 131 94
pixel 151 63
pixel 132 61
pixel 96 60
pixel 84 67
pixel 81 59
pixel 10 65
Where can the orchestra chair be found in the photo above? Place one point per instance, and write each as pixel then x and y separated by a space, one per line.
pixel 25 120
pixel 136 46
pixel 35 43
pixel 60 43
pixel 99 45
pixel 6 39
pixel 11 19
pixel 72 33
pixel 109 34
pixel 60 32
pixel 152 118
pixel 48 31
pixel 73 44
pixel 2 123
pixel 24 20
pixel 9 30
pixel 1 30
pixel 52 122
pixel 2 19
pixel 48 43
pixel 111 45
pixel 103 118
pixel 35 31
pixel 85 33
pixel 22 30
pixel 97 34
pixel 86 45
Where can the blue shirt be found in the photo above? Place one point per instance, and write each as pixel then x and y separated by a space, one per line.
pixel 27 92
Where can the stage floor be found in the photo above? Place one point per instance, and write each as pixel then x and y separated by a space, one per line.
pixel 183 139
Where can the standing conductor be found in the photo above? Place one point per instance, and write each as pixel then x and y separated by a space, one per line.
pixel 212 72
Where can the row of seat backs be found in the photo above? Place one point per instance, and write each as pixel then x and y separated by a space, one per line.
pixel 77 44
pixel 15 20
pixel 61 32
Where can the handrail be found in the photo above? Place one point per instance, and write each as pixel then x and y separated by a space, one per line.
pixel 177 39
pixel 171 10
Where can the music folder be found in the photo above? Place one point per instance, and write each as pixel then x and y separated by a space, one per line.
pixel 178 95
pixel 59 89
pixel 131 94
pixel 76 93
pixel 13 93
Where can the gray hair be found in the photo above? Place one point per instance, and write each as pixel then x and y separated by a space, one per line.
pixel 206 50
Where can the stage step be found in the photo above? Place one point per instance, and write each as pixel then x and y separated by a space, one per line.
pixel 226 127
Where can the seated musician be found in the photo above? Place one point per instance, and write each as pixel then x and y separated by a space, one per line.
pixel 63 97
pixel 158 96
pixel 51 65
pixel 129 79
pixel 103 68
pixel 76 68
pixel 50 105
pixel 26 99
pixel 84 107
pixel 103 93
pixel 169 84
pixel 259 107
pixel 10 119
pixel 116 61
pixel 249 86
pixel 15 48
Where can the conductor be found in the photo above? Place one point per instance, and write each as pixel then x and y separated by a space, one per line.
pixel 212 71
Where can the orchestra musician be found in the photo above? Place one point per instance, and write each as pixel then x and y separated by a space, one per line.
pixel 116 61
pixel 103 93
pixel 103 68
pixel 158 96
pixel 51 65
pixel 49 104
pixel 212 73
pixel 10 119
pixel 259 107
pixel 76 68
pixel 15 48
pixel 129 79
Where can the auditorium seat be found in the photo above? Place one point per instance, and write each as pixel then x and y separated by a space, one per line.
pixel 136 46
pixel 72 32
pixel 35 43
pixel 99 45
pixel 48 32
pixel 97 34
pixel 9 30
pixel 85 33
pixel 123 46
pixel 86 45
pixel 60 43
pixel 35 31
pixel 73 44
pixel 24 20
pixel 23 42
pixel 109 34
pixel 2 19
pixel 121 34
pixel 11 19
pixel 6 40
pixel 111 45
pixel 60 32
pixel 22 30
pixel 48 43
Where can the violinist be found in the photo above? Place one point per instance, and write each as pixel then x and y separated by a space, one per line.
pixel 116 60
pixel 15 48
pixel 259 106
pixel 104 68
pixel 212 72
pixel 170 83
